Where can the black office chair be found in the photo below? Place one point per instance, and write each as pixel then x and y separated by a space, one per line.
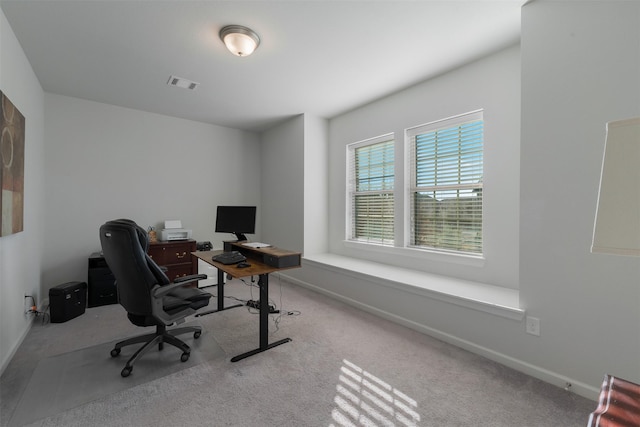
pixel 146 292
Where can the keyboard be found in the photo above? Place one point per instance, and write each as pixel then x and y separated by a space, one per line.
pixel 232 257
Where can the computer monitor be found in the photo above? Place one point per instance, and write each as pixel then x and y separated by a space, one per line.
pixel 237 220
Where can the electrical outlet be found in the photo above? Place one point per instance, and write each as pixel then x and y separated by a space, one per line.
pixel 533 326
pixel 29 304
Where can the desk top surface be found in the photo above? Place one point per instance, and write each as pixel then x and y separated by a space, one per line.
pixel 270 250
pixel 257 268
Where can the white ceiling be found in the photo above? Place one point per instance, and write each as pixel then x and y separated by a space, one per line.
pixel 317 57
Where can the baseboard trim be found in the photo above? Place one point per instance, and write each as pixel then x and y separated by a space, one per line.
pixel 545 375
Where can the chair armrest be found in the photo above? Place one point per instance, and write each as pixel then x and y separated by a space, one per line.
pixel 160 291
pixel 190 278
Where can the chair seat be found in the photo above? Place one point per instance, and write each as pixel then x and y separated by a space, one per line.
pixel 174 304
pixel 178 300
pixel 191 294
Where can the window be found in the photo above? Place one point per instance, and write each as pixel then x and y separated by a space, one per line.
pixel 370 190
pixel 445 194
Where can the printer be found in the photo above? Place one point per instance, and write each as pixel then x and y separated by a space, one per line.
pixel 173 231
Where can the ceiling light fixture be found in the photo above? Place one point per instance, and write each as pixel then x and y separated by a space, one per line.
pixel 241 41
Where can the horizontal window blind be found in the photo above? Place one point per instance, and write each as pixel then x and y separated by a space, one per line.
pixel 371 187
pixel 446 184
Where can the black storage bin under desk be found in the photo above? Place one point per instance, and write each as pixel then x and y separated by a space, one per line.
pixel 67 301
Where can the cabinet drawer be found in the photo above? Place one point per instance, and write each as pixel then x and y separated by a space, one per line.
pixel 96 261
pixel 102 288
pixel 165 253
pixel 156 253
pixel 177 254
pixel 101 275
pixel 175 271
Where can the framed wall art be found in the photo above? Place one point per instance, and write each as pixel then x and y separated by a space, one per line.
pixel 12 128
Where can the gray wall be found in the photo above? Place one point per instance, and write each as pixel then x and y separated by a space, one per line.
pixel 282 184
pixel 580 69
pixel 105 162
pixel 295 186
pixel 492 84
pixel 21 253
pixel 580 64
pixel 316 185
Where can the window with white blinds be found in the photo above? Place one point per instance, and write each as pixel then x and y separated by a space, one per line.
pixel 446 160
pixel 370 189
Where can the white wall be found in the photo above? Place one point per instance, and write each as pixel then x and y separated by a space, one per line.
pixel 295 185
pixel 282 184
pixel 492 84
pixel 316 185
pixel 580 65
pixel 581 69
pixel 21 253
pixel 105 162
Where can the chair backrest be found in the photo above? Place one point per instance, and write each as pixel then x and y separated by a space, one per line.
pixel 142 235
pixel 124 246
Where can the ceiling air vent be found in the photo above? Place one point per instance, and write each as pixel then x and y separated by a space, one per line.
pixel 183 83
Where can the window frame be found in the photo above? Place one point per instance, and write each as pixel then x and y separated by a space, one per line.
pixel 412 187
pixel 352 192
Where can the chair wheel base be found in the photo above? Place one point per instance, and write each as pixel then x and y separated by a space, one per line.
pixel 156 340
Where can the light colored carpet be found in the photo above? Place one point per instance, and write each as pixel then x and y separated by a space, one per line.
pixel 344 367
pixel 69 380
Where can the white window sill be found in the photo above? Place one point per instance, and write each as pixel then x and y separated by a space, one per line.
pixel 419 254
pixel 496 300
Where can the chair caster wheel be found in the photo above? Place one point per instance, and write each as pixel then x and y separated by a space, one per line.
pixel 126 371
pixel 115 352
pixel 184 357
pixel 197 334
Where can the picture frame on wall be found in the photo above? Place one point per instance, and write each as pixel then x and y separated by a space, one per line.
pixel 12 138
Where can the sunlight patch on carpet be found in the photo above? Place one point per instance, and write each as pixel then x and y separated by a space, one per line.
pixel 363 399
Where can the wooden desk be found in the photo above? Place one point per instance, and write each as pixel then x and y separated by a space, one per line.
pixel 269 255
pixel 259 269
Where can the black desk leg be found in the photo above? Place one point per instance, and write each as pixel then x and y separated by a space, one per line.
pixel 220 292
pixel 263 282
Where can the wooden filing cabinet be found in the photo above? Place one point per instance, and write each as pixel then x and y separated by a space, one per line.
pixel 175 256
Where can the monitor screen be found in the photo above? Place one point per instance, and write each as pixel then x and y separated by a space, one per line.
pixel 237 220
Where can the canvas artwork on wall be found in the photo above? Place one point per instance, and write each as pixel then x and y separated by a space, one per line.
pixel 12 126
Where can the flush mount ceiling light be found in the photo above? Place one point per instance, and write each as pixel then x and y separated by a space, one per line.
pixel 241 41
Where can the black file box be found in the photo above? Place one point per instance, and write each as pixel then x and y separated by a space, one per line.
pixel 67 301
